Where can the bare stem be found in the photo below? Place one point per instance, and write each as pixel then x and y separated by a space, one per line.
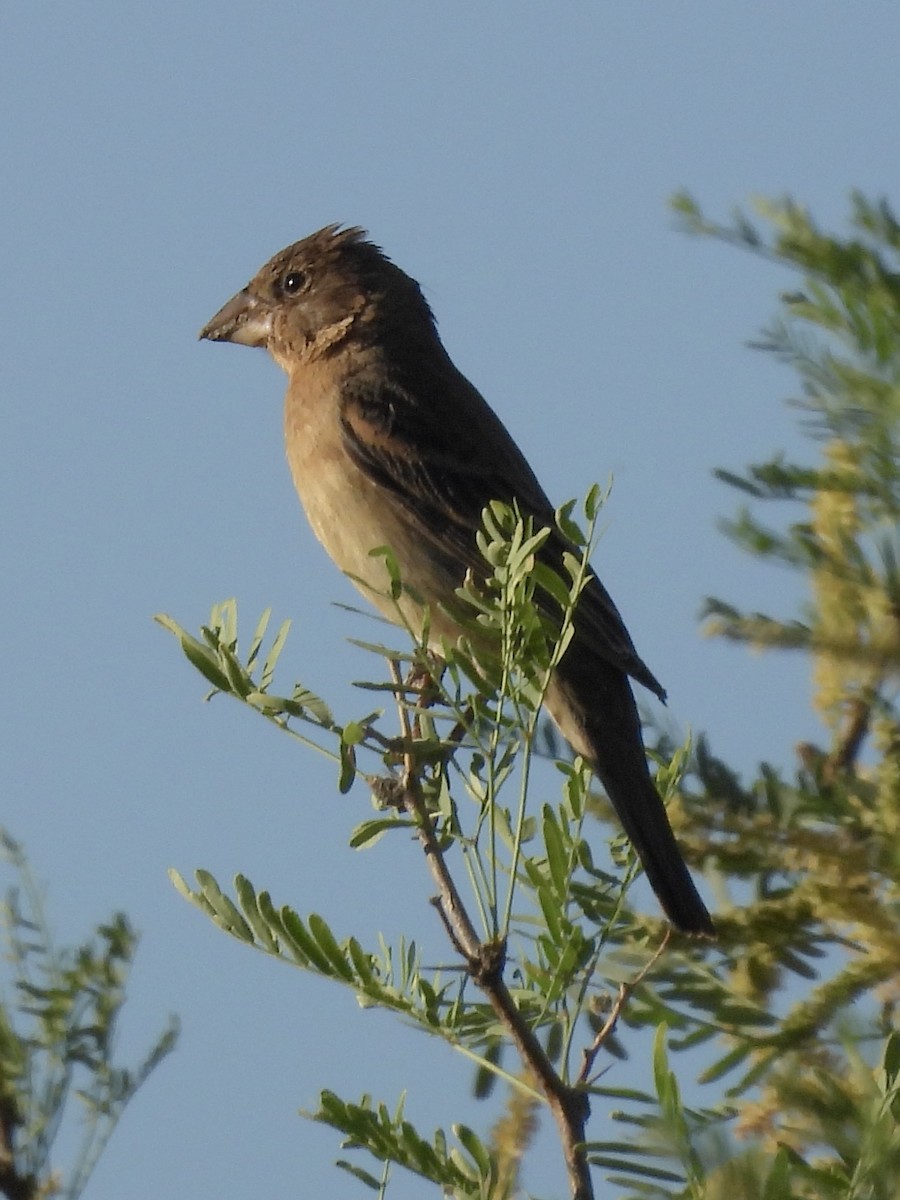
pixel 625 990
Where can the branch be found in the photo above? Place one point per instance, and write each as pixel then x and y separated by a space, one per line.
pixel 856 726
pixel 484 964
pixel 625 990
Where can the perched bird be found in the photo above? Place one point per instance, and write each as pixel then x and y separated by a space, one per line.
pixel 390 445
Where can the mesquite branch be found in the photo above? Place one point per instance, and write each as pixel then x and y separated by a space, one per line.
pixel 485 962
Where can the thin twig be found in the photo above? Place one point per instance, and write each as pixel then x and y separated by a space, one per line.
pixel 454 911
pixel 484 963
pixel 589 1055
pixel 856 726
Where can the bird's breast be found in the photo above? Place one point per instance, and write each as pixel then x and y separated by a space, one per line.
pixel 351 514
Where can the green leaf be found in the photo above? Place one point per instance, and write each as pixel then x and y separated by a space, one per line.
pixel 307 951
pixel 777 1184
pixel 391 1138
pixel 180 884
pixel 312 704
pixel 197 654
pixel 352 734
pixel 348 768
pixel 567 526
pixel 392 567
pixel 474 1147
pixel 727 1062
pixel 548 581
pixel 265 702
pixel 382 651
pixel 327 943
pixel 557 857
pixel 553 914
pixel 248 902
pixel 891 1060
pixel 370 832
pixel 225 912
pixel 268 671
pixel 239 681
pixel 593 502
pixel 256 641
pixel 363 964
pixel 662 1076
pixel 634 1166
pixel 358 1173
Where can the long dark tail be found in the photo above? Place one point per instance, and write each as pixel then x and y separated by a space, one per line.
pixel 592 703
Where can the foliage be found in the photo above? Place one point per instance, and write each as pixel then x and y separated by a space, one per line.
pixel 791 1012
pixel 58 1022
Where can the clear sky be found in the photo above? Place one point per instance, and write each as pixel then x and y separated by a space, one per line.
pixel 517 159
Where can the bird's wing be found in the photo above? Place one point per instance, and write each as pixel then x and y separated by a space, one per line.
pixel 444 465
pixel 438 470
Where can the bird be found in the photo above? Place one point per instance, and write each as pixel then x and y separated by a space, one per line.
pixel 389 444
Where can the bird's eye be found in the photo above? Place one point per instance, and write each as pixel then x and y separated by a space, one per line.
pixel 293 282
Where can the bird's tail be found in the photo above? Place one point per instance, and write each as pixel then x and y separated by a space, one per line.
pixel 592 703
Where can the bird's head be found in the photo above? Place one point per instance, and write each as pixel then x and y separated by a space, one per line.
pixel 318 294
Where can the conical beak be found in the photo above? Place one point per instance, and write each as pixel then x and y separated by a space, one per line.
pixel 244 319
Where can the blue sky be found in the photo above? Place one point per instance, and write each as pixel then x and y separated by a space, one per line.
pixel 517 159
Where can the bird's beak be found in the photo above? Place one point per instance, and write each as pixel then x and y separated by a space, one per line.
pixel 245 319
